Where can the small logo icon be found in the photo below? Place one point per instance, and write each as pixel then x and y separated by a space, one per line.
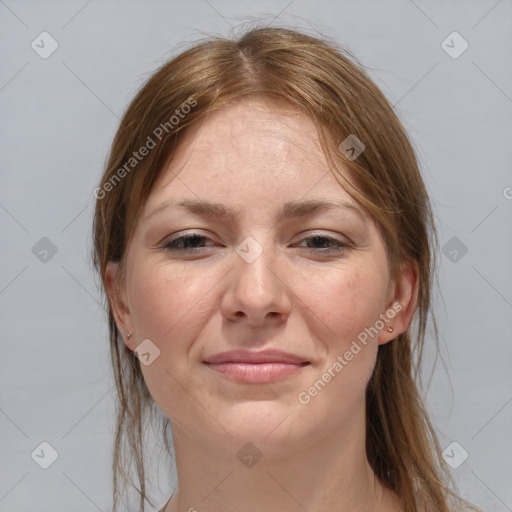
pixel 249 455
pixel 147 352
pixel 351 147
pixel 249 249
pixel 455 455
pixel 44 45
pixel 44 250
pixel 454 249
pixel 44 455
pixel 454 45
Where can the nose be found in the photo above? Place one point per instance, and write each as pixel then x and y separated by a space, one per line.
pixel 257 293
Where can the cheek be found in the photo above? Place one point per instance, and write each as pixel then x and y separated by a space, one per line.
pixel 348 304
pixel 169 306
pixel 166 302
pixel 348 301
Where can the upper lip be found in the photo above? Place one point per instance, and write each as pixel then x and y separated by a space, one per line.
pixel 248 356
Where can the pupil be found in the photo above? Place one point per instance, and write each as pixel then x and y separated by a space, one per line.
pixel 193 240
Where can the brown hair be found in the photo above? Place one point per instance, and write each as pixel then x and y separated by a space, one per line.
pixel 329 85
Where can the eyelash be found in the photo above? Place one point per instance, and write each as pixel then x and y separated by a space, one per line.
pixel 339 246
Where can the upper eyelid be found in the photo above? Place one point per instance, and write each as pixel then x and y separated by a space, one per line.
pixel 186 234
pixel 180 234
pixel 306 236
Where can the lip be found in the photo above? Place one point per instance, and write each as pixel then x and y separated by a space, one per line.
pixel 256 367
pixel 248 356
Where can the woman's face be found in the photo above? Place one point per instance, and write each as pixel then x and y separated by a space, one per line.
pixel 254 260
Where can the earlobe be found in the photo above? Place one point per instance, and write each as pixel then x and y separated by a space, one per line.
pixel 119 304
pixel 400 309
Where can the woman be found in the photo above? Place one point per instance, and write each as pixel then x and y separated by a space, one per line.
pixel 264 239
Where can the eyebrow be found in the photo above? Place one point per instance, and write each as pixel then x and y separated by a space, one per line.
pixel 291 209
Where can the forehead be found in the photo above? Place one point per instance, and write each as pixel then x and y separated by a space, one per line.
pixel 245 123
pixel 267 151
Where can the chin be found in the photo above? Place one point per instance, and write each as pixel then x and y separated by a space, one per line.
pixel 274 429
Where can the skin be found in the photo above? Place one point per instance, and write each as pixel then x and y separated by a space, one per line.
pixel 254 156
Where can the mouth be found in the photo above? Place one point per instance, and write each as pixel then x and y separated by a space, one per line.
pixel 256 367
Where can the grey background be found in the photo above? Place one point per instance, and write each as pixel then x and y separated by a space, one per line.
pixel 58 118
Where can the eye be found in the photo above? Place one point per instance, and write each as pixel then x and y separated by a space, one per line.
pixel 323 244
pixel 194 242
pixel 191 242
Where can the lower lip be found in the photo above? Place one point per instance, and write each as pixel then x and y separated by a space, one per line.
pixel 257 373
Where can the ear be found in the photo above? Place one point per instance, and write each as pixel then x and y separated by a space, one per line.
pixel 402 303
pixel 119 305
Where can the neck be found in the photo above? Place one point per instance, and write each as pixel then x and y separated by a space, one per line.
pixel 329 475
